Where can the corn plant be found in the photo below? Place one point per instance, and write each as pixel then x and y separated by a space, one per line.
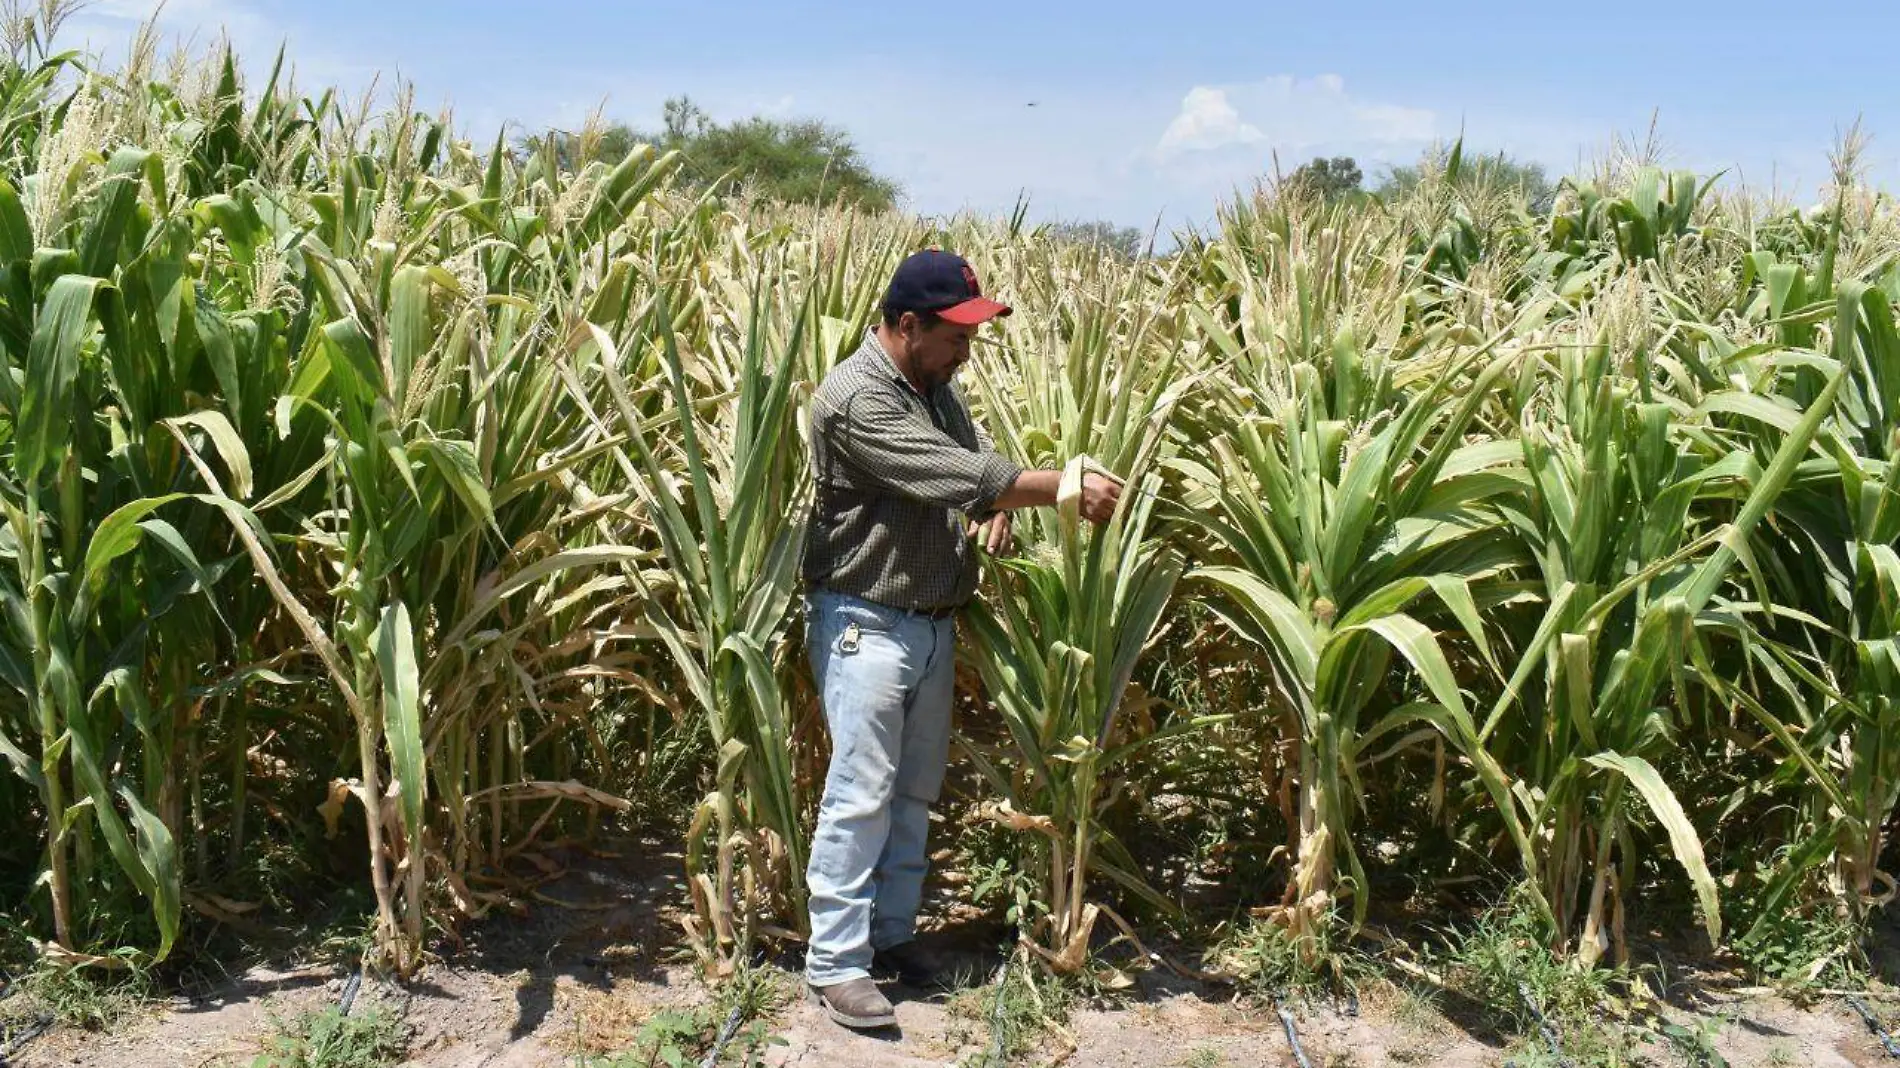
pixel 1609 489
pixel 338 452
pixel 400 502
pixel 722 501
pixel 1058 643
pixel 114 341
pixel 1820 680
pixel 1324 538
pixel 1622 599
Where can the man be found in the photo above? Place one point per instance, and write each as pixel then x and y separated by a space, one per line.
pixel 904 479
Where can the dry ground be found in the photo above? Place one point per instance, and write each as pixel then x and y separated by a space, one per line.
pixel 534 991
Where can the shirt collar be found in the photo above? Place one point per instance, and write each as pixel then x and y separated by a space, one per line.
pixel 890 366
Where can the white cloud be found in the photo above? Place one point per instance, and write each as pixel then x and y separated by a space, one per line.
pixel 108 26
pixel 1293 115
pixel 1207 121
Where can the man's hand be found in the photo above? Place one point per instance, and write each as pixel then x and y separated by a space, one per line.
pixel 1040 489
pixel 1099 497
pixel 993 533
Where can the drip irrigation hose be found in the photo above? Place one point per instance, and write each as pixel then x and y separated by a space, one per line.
pixel 22 1037
pixel 1292 1035
pixel 731 1026
pixel 726 1031
pixel 1887 1041
pixel 1544 1027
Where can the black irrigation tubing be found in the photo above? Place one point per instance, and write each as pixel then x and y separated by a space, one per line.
pixel 731 1026
pixel 25 1035
pixel 1873 1024
pixel 1292 1035
pixel 350 989
pixel 1551 1038
pixel 726 1031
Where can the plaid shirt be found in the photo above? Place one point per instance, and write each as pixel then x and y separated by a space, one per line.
pixel 897 475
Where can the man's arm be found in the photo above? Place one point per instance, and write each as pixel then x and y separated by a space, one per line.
pixel 898 450
pixel 901 452
pixel 1032 489
pixel 1037 489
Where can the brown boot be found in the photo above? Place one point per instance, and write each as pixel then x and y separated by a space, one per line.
pixel 855 1003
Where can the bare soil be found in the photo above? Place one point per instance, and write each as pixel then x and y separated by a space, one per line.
pixel 579 977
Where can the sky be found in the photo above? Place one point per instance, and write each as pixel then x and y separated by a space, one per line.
pixel 1144 114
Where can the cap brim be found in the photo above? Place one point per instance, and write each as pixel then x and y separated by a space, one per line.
pixel 973 311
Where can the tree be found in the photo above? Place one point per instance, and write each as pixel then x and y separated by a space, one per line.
pixel 1496 173
pixel 801 160
pixel 1124 241
pixel 1331 179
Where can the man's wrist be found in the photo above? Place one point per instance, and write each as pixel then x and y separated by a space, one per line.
pixel 1032 489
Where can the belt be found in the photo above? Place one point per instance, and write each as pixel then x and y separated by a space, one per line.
pixel 925 613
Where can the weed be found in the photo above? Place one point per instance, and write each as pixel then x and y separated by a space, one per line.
pixel 1406 1054
pixel 736 1019
pixel 373 1036
pixel 1009 1021
pixel 88 998
pixel 1799 949
pixel 1204 1057
pixel 1505 960
pixel 671 1037
pixel 1696 1045
pixel 999 862
pixel 1586 1046
pixel 16 949
pixel 1779 1055
pixel 1271 964
pixel 604 1021
pixel 344 934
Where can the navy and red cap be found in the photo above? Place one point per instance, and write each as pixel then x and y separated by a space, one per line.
pixel 942 282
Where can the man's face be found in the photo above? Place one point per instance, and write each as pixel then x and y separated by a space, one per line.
pixel 936 352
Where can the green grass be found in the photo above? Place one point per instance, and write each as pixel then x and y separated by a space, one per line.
pixel 1013 1020
pixel 677 1037
pixel 1271 963
pixel 1505 958
pixel 1803 949
pixel 373 1036
pixel 90 998
pixel 1204 1057
pixel 1417 1006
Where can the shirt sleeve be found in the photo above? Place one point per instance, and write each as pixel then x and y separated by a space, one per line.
pixel 897 449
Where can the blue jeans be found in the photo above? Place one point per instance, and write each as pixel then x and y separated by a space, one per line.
pixel 886 677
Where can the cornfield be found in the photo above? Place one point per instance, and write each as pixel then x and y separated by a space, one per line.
pixel 387 506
